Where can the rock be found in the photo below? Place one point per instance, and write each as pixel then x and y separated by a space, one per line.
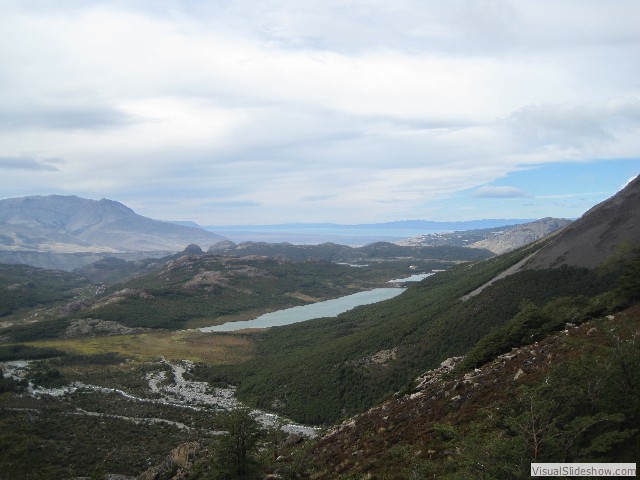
pixel 293 439
pixel 519 374
pixel 192 249
pixel 176 464
pixel 449 363
pixel 610 317
pixel 92 327
pixel 592 331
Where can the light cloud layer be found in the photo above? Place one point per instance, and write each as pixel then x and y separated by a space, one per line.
pixel 278 111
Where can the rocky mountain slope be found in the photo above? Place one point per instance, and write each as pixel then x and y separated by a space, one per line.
pixel 520 235
pixel 497 239
pixel 70 224
pixel 598 234
pixel 473 424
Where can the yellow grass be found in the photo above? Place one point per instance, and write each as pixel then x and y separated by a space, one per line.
pixel 191 345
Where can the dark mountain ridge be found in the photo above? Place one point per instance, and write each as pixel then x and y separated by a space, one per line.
pixel 595 237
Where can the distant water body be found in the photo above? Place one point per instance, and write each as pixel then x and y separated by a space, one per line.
pixel 328 308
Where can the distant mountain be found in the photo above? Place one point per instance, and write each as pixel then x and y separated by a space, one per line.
pixel 397 225
pixel 460 225
pixel 332 252
pixel 70 224
pixel 499 239
pixel 598 234
pixel 457 238
pixel 352 235
pixel 520 235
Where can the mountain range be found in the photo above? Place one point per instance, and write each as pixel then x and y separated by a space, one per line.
pixel 70 224
pixel 69 232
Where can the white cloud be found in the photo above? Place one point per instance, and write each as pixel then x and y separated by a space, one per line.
pixel 25 163
pixel 499 192
pixel 372 108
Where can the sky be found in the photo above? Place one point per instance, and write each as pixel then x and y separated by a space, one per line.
pixel 279 111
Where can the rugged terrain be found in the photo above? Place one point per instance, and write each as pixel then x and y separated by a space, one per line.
pixel 498 239
pixel 520 235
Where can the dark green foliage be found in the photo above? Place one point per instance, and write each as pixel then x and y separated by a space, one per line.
pixel 628 290
pixel 332 252
pixel 37 331
pixel 52 442
pixel 391 250
pixel 26 352
pixel 531 324
pixel 22 286
pixel 109 358
pixel 44 376
pixel 109 270
pixel 8 384
pixel 237 448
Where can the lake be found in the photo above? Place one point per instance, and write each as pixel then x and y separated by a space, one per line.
pixel 328 308
pixel 413 278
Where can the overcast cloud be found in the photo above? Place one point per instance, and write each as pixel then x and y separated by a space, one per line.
pixel 282 111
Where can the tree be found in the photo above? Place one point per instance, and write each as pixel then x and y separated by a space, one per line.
pixel 238 445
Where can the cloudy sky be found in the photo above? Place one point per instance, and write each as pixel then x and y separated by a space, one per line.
pixel 277 111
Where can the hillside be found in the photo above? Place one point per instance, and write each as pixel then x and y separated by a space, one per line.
pixel 70 224
pixel 520 235
pixel 23 287
pixel 598 234
pixel 477 423
pixel 497 239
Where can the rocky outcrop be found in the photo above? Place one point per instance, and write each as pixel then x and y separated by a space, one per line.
pixel 92 327
pixel 521 235
pixel 177 464
pixel 192 249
